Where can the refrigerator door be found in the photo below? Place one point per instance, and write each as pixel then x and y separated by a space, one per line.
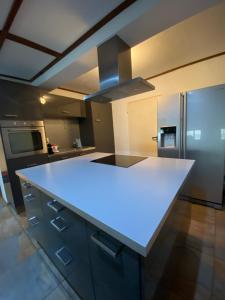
pixel 205 143
pixel 169 126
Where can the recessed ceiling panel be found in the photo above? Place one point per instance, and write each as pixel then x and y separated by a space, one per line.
pixel 5 6
pixel 20 61
pixel 56 24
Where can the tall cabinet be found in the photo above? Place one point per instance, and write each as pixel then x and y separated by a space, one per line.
pixel 97 129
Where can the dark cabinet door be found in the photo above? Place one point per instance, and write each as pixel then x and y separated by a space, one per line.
pixel 21 163
pixel 62 107
pixel 70 231
pixel 97 129
pixel 32 202
pixel 115 268
pixel 19 101
pixel 103 127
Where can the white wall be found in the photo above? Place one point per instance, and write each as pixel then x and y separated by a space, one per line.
pixel 120 126
pixel 69 94
pixel 207 73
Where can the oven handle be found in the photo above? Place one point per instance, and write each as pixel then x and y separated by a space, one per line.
pixel 10 116
pixel 19 130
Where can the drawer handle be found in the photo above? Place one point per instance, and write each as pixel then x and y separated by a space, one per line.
pixel 100 244
pixel 64 157
pixel 33 221
pixel 55 205
pixel 29 197
pixel 27 185
pixel 66 112
pixel 31 165
pixel 59 223
pixel 64 256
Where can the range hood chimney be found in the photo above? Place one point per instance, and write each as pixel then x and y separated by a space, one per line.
pixel 115 73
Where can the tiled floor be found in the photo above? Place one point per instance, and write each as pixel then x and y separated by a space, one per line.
pixel 196 268
pixel 25 272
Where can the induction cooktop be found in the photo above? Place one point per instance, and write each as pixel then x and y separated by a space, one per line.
pixel 124 161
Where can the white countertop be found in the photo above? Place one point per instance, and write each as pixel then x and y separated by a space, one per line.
pixel 130 204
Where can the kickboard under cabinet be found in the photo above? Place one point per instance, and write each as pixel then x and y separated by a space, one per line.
pixel 96 265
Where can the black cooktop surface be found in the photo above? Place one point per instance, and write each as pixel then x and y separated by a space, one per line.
pixel 124 161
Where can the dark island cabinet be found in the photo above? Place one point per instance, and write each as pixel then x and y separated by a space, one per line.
pixel 19 101
pixel 63 237
pixel 115 268
pixel 95 265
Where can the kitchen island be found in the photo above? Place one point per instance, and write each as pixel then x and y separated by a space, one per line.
pixel 101 224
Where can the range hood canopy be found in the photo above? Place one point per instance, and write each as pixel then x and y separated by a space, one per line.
pixel 115 73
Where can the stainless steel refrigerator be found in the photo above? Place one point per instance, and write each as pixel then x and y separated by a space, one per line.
pixel 192 125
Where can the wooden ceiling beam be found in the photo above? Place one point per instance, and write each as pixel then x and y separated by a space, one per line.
pixel 115 12
pixel 28 43
pixel 70 90
pixel 9 20
pixel 186 65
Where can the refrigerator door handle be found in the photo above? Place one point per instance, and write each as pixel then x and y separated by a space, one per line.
pixel 181 104
pixel 184 137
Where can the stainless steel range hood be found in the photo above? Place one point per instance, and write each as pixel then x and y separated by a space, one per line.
pixel 115 73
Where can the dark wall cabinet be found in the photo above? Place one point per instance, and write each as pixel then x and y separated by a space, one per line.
pixel 20 101
pixel 63 107
pixel 97 128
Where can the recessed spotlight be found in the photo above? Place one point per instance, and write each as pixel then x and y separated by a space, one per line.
pixel 42 100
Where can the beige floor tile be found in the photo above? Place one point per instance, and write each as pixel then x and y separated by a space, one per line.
pixel 8 224
pixel 59 294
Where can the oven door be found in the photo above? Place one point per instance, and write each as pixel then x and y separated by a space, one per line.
pixel 26 141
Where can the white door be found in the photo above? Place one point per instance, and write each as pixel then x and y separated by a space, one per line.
pixel 142 123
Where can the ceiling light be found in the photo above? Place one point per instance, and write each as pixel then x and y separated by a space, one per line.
pixel 42 100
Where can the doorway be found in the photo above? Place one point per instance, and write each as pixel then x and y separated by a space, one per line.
pixel 142 123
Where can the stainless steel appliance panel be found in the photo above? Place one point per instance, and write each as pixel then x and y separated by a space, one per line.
pixel 22 138
pixel 205 143
pixel 168 117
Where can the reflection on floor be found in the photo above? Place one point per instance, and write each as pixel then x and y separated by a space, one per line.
pixel 25 272
pixel 196 269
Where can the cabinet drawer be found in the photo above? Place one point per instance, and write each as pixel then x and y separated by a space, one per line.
pixel 32 201
pixel 51 207
pixel 115 268
pixel 75 270
pixel 72 230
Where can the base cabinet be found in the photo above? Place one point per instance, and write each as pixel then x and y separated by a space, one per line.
pixel 115 268
pixel 97 266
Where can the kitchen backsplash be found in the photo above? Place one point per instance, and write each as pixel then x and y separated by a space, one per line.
pixel 62 131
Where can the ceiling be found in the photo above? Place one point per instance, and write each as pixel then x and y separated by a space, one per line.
pixel 193 39
pixel 37 33
pixel 53 43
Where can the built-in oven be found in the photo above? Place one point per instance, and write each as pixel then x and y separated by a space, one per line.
pixel 23 138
